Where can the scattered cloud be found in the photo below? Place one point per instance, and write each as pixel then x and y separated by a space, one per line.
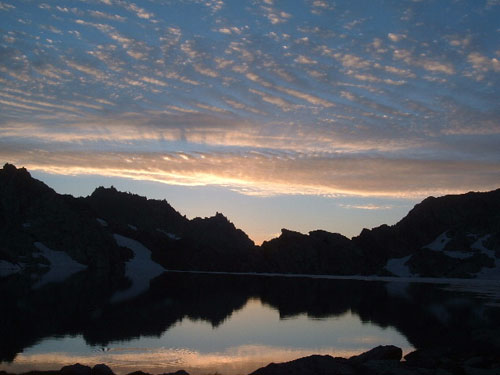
pixel 330 101
pixel 283 104
pixel 431 65
pixel 315 100
pixel 97 73
pixel 319 6
pixel 6 6
pixel 205 71
pixel 396 37
pixel 113 17
pixel 133 8
pixel 275 16
pixel 482 63
pixel 301 59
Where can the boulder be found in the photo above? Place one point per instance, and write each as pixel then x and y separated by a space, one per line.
pixel 380 353
pixel 102 369
pixel 312 365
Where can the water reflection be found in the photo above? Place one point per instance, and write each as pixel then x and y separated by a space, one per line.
pixel 229 320
pixel 251 338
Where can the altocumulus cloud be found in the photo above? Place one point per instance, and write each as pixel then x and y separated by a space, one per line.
pixel 383 101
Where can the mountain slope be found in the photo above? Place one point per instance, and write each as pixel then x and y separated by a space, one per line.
pixel 31 212
pixel 462 225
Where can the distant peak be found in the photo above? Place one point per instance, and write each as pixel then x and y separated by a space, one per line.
pixel 290 233
pixel 10 169
pixel 104 190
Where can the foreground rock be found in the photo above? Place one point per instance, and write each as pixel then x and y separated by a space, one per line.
pixel 382 360
pixel 386 360
pixel 378 360
pixel 315 364
pixel 380 353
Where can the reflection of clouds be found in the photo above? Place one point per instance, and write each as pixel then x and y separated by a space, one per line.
pixel 365 340
pixel 242 359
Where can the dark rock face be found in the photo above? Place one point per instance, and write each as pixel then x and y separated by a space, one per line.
pixel 124 209
pixel 320 252
pixel 315 364
pixel 209 244
pixel 428 263
pixel 464 218
pixel 30 211
pixel 458 215
pixel 177 243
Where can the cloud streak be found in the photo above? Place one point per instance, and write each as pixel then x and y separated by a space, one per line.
pixel 267 174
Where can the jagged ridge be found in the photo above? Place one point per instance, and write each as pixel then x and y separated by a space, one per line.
pixel 30 211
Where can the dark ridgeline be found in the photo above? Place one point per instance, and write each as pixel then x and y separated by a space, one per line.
pixel 30 211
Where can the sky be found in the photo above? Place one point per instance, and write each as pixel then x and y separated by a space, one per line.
pixel 298 114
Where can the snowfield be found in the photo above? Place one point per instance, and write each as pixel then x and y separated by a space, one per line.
pixel 61 266
pixel 439 243
pixel 397 265
pixel 141 269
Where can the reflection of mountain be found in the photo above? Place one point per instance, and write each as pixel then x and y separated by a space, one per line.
pixel 451 236
pixel 426 315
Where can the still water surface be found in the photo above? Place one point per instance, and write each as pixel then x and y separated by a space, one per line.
pixel 233 324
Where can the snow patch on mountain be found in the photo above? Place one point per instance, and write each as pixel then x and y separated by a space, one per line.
pixel 103 222
pixel 487 272
pixel 439 243
pixel 479 245
pixel 172 236
pixel 397 266
pixel 61 265
pixel 140 270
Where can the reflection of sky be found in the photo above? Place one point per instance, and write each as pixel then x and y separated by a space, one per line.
pixel 359 99
pixel 254 334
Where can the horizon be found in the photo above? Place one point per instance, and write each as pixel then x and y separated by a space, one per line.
pixel 280 114
pixel 82 193
pixel 182 203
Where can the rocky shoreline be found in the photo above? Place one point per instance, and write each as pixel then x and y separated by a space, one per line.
pixel 382 360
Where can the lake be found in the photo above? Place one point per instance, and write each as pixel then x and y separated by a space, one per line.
pixel 233 324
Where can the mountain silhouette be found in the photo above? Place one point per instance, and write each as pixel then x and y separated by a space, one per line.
pixel 450 236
